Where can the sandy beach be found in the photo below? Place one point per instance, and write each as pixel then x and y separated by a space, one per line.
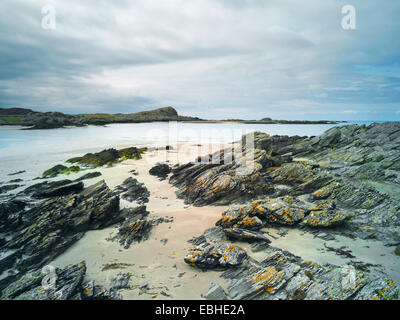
pixel 158 262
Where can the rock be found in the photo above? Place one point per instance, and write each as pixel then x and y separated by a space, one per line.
pixel 50 227
pixel 205 182
pixel 283 232
pixel 212 255
pixel 164 241
pixel 304 178
pixel 131 153
pixel 107 157
pixel 133 190
pixel 397 251
pixel 15 181
pixel 121 281
pixel 283 276
pixel 59 169
pixel 245 235
pixel 16 173
pixel 198 240
pixel 135 228
pixel 91 291
pixel 9 187
pixel 324 236
pixel 89 175
pixel 215 293
pixel 161 170
pixel 94 160
pixel 11 215
pixel 53 189
pixel 67 284
pixel 283 211
pixel 326 218
pixel 259 246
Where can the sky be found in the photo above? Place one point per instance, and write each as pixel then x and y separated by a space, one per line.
pixel 214 59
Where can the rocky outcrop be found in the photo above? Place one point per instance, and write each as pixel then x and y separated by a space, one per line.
pixel 48 189
pixel 59 169
pixel 346 180
pixel 281 275
pixel 107 157
pixel 133 190
pixel 136 226
pixel 161 170
pixel 213 255
pixel 39 233
pixel 58 284
pixel 89 175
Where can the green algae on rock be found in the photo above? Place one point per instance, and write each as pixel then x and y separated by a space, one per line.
pixel 108 157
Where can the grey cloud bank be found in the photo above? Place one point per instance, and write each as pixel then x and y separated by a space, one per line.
pixel 212 59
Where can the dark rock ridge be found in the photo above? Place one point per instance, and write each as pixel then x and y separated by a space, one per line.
pixel 161 170
pixel 69 284
pixel 133 190
pixel 345 181
pixel 36 233
pixel 51 120
pixel 48 189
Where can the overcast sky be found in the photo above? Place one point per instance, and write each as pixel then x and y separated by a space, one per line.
pixel 249 59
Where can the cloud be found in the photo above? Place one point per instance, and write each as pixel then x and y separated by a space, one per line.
pixel 208 58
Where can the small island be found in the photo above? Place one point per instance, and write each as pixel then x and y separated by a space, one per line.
pixel 52 120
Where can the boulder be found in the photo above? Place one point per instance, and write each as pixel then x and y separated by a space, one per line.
pixel 161 170
pixel 133 190
pixel 212 255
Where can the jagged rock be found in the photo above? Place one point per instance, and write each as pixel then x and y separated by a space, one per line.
pixel 216 292
pixel 133 190
pixel 326 218
pixel 212 255
pixel 135 227
pixel 57 284
pixel 47 229
pixel 91 291
pixel 303 177
pixel 283 276
pixel 53 189
pixel 161 170
pixel 11 214
pixel 246 235
pixel 284 211
pixel 206 183
pixel 89 175
pixel 121 281
pixel 198 240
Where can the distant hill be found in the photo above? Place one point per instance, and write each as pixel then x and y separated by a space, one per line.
pixel 50 120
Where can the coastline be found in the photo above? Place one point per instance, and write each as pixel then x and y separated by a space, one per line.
pixel 159 264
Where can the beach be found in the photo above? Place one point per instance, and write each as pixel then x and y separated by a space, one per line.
pixel 160 267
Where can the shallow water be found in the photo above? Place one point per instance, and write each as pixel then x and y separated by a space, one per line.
pixel 37 150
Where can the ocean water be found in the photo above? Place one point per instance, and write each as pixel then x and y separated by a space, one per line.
pixel 38 150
